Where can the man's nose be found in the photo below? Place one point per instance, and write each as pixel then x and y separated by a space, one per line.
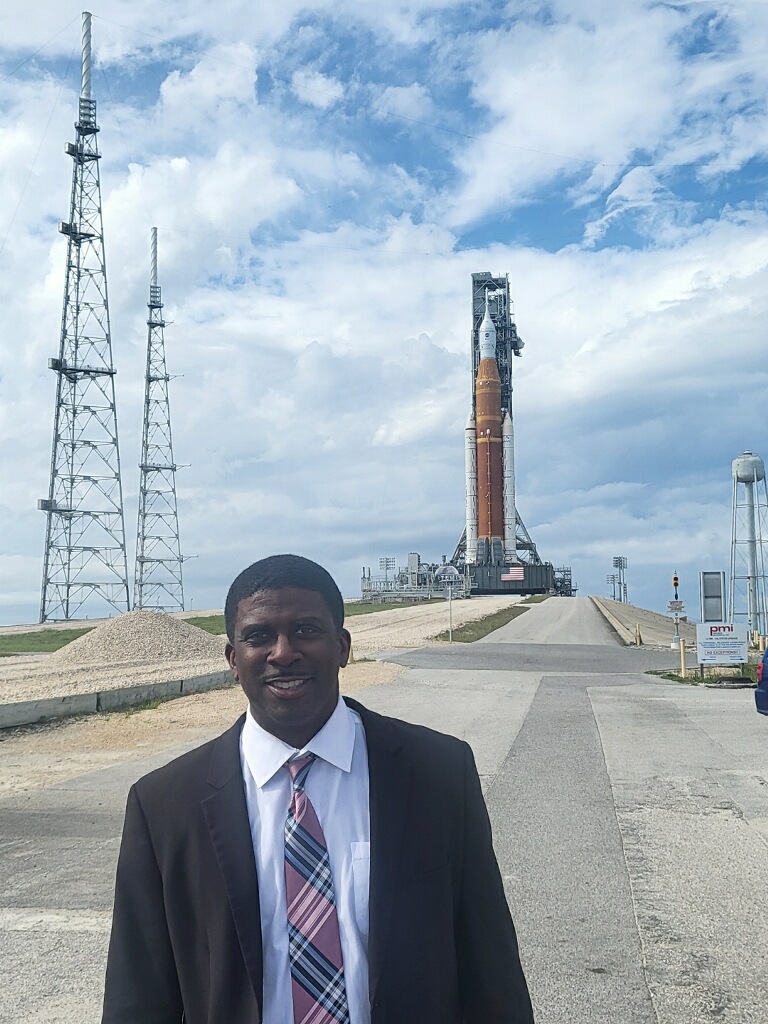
pixel 283 651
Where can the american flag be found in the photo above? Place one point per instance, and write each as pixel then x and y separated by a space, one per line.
pixel 513 574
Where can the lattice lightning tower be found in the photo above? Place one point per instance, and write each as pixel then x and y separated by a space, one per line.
pixel 85 534
pixel 158 555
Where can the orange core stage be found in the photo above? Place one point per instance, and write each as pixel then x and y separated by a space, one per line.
pixel 490 488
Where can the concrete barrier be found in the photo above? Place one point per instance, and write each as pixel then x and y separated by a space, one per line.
pixel 130 696
pixel 625 635
pixel 213 681
pixel 29 712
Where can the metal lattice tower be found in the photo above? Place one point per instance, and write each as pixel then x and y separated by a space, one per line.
pixel 85 554
pixel 158 555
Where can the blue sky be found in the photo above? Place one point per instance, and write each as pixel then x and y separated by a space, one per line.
pixel 325 177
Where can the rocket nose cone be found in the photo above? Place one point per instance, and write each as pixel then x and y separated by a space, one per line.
pixel 487 319
pixel 487 334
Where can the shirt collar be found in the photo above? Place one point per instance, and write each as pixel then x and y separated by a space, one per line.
pixel 265 754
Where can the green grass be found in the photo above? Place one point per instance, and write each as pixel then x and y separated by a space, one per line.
pixel 693 678
pixel 210 623
pixel 40 642
pixel 148 705
pixel 535 599
pixel 476 630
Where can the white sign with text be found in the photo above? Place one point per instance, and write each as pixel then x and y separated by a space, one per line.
pixel 721 643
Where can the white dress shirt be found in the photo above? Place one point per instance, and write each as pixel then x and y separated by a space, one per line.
pixel 337 785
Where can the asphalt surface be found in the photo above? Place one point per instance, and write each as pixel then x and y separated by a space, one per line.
pixel 630 819
pixel 566 621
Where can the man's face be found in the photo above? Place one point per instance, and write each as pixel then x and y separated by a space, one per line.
pixel 286 654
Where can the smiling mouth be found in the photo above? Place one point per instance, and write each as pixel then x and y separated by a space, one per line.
pixel 286 685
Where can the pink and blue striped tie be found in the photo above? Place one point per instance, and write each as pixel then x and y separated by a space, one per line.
pixel 314 946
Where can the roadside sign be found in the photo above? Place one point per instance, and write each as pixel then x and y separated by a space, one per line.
pixel 712 596
pixel 721 643
pixel 676 606
pixel 448 577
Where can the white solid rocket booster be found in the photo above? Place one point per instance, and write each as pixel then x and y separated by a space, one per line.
pixel 470 470
pixel 510 516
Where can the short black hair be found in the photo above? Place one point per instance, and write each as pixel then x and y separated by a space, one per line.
pixel 276 572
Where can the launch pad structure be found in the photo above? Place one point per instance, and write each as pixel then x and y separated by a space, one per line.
pixel 495 549
pixel 495 553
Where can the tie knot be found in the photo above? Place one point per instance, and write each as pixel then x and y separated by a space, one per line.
pixel 299 769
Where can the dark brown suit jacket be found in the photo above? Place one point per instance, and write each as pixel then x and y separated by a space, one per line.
pixel 186 934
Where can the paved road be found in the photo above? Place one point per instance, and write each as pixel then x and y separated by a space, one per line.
pixel 630 818
pixel 569 620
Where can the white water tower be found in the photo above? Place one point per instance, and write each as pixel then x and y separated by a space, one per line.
pixel 749 531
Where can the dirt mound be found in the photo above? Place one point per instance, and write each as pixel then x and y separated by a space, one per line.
pixel 140 636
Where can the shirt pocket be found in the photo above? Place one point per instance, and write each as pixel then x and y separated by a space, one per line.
pixel 361 873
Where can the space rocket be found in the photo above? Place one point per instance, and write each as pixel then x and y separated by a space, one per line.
pixel 489 463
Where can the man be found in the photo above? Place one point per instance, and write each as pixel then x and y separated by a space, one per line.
pixel 317 863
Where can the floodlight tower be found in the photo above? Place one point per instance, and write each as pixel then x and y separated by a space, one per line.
pixel 85 533
pixel 158 582
pixel 749 533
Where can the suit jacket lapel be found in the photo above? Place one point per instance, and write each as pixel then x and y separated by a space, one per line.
pixel 390 799
pixel 226 815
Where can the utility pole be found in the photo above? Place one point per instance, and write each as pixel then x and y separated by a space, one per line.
pixel 85 530
pixel 158 583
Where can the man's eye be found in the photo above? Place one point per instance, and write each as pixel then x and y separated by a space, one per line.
pixel 305 630
pixel 256 638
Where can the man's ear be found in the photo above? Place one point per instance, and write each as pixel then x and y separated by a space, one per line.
pixel 345 641
pixel 229 654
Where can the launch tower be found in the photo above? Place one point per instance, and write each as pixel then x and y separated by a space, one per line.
pixel 489 457
pixel 85 553
pixel 158 582
pixel 495 552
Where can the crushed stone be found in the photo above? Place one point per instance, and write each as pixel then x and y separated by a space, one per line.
pixel 139 636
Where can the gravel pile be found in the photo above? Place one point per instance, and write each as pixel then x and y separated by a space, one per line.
pixel 139 637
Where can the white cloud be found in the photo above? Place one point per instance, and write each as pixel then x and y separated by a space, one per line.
pixel 209 94
pixel 562 99
pixel 412 102
pixel 317 90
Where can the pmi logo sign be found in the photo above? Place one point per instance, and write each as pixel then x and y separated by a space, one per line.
pixel 724 629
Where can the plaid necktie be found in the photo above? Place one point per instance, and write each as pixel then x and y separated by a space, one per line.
pixel 314 947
